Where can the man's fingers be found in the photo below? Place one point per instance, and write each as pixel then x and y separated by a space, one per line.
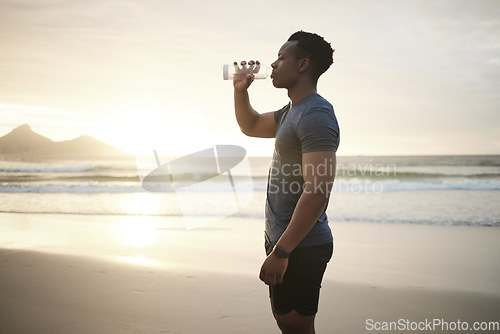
pixel 271 273
pixel 268 278
pixel 272 279
pixel 262 275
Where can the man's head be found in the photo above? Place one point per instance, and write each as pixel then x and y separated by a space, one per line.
pixel 305 56
pixel 316 49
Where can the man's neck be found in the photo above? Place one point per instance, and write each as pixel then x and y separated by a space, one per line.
pixel 300 92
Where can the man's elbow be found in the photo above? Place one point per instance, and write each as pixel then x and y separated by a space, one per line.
pixel 250 131
pixel 246 131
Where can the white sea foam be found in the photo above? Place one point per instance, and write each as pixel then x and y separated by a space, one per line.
pixel 356 185
pixel 61 169
pixel 340 186
pixel 81 188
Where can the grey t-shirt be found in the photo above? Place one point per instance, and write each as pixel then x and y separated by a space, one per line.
pixel 308 126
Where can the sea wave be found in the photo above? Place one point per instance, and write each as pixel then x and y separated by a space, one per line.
pixel 398 185
pixel 415 175
pixel 118 187
pixel 70 188
pixel 333 217
pixel 448 221
pixel 128 185
pixel 64 169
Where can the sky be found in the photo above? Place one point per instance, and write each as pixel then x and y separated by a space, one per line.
pixel 410 77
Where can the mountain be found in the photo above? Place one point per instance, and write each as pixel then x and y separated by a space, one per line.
pixel 23 139
pixel 23 142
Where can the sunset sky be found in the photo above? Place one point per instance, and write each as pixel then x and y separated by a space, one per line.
pixel 410 77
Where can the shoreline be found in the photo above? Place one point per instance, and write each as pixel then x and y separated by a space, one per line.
pixel 107 274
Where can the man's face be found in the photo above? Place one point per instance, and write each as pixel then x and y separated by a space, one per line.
pixel 286 67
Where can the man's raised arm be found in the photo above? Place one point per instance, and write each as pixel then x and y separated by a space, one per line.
pixel 250 121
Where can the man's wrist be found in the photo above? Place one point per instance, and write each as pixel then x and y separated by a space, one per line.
pixel 280 252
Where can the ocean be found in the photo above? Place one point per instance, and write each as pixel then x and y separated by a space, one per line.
pixel 438 190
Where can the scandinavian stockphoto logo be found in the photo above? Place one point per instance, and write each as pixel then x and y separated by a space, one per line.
pixel 209 184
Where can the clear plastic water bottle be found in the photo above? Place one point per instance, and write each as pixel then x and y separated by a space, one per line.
pixel 240 71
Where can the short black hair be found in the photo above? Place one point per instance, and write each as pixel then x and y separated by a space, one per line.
pixel 316 49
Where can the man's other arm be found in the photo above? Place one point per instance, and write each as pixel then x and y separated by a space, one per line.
pixel 319 173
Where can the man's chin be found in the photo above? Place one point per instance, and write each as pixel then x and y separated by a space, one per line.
pixel 276 84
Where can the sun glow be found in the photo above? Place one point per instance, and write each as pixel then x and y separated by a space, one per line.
pixel 144 203
pixel 142 130
pixel 141 260
pixel 137 232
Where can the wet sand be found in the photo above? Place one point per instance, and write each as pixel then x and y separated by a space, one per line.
pixel 115 274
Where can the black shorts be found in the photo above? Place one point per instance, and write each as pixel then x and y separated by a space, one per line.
pixel 302 281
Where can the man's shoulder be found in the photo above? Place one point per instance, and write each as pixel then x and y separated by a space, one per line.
pixel 319 102
pixel 318 115
pixel 315 103
pixel 318 107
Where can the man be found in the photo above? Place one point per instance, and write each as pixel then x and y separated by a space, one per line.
pixel 299 242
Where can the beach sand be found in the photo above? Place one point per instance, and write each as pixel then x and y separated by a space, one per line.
pixel 116 274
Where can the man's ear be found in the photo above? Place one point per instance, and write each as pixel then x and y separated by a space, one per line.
pixel 304 64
